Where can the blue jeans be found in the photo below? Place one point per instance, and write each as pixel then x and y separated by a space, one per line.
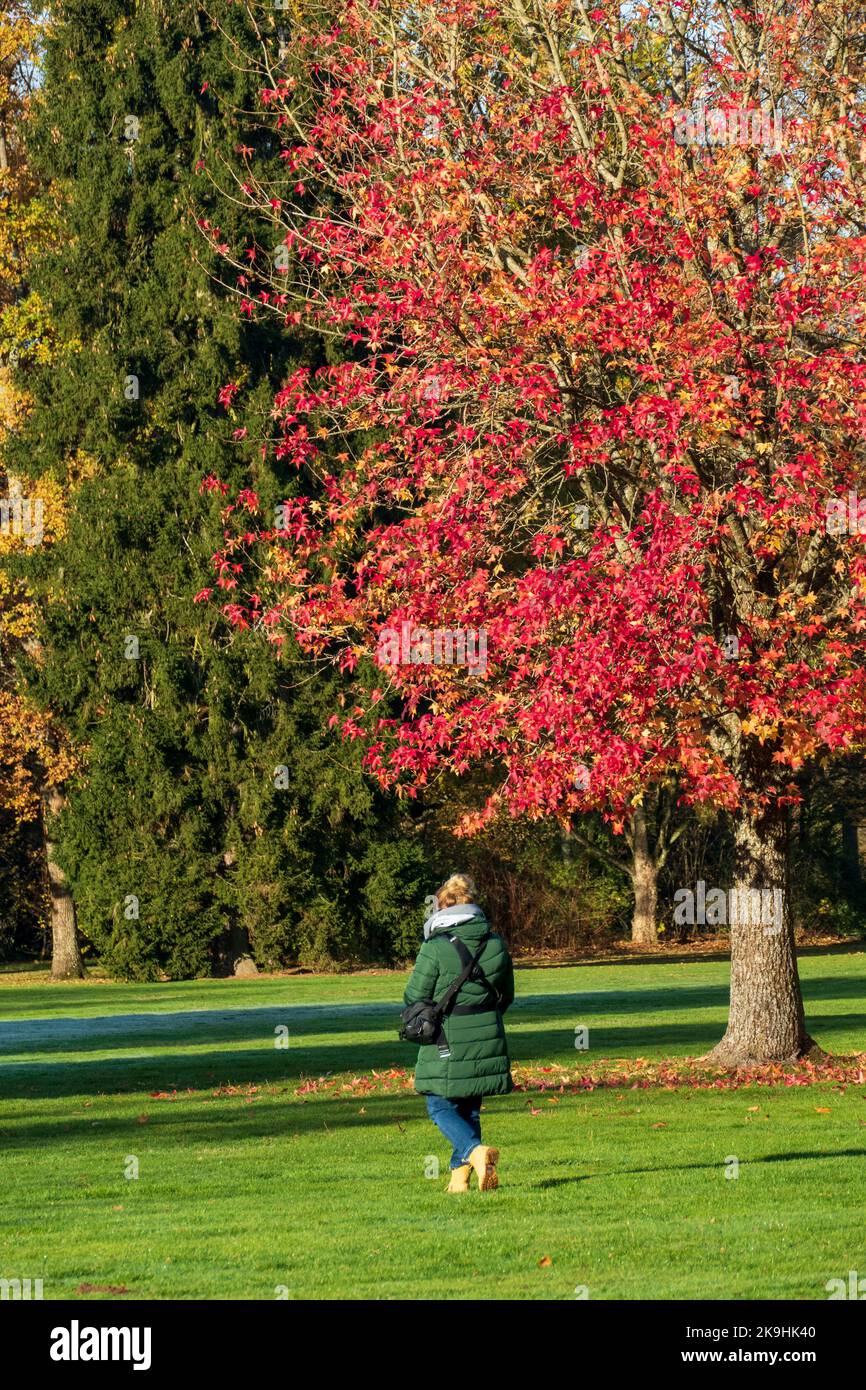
pixel 459 1121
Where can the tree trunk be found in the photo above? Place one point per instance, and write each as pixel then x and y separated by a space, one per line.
pixel 766 1021
pixel 644 877
pixel 239 958
pixel 66 963
pixel 853 849
pixel 242 962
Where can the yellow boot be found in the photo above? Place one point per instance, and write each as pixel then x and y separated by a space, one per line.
pixel 484 1162
pixel 459 1179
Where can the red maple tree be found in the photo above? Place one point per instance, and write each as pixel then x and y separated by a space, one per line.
pixel 603 283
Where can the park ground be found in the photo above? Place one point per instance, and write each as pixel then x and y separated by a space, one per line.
pixel 281 1151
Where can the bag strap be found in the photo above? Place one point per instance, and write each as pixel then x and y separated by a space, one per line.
pixel 497 994
pixel 470 963
pixel 471 968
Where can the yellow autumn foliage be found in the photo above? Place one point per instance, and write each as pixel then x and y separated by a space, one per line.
pixel 32 750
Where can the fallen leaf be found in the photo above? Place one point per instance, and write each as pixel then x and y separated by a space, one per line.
pixel 102 1288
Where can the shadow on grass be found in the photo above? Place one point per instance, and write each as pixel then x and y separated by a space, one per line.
pixel 564 1182
pixel 747 1162
pixel 206 1070
pixel 166 1070
pixel 684 957
pixel 694 1167
pixel 201 1122
pixel 192 1121
pixel 97 1031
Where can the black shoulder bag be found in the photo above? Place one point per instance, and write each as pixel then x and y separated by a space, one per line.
pixel 422 1021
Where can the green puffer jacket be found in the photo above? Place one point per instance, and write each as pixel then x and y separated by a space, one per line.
pixel 479 1064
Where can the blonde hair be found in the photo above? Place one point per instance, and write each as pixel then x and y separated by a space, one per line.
pixel 459 888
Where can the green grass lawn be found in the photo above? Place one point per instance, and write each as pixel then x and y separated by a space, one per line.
pixel 248 1186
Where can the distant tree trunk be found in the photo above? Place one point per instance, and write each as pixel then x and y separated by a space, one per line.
pixel 66 962
pixel 238 959
pixel 766 1022
pixel 853 850
pixel 240 954
pixel 651 830
pixel 644 877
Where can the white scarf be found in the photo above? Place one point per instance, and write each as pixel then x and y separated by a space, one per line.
pixel 450 917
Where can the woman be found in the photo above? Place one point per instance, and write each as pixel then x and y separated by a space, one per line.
pixel 471 1059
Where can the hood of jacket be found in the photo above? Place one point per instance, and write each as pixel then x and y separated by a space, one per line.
pixel 467 916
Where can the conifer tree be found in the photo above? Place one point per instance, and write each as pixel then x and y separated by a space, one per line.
pixel 210 824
